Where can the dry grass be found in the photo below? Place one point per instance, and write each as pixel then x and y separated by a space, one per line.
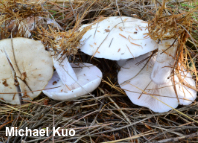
pixel 110 115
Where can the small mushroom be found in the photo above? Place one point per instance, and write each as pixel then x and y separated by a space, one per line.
pixel 152 85
pixel 72 80
pixel 25 69
pixel 117 38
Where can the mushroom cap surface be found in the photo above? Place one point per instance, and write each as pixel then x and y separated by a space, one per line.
pixel 117 38
pixel 88 79
pixel 7 81
pixel 32 64
pixel 134 84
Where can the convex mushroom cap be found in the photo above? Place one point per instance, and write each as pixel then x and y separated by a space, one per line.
pixel 117 38
pixel 135 78
pixel 25 67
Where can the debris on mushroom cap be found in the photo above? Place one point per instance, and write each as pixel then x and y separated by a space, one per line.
pixel 24 27
pixel 7 81
pixel 64 42
pixel 27 25
pixel 117 38
pixel 167 26
pixel 31 65
pixel 19 17
pixel 179 26
pixel 88 79
pixel 135 79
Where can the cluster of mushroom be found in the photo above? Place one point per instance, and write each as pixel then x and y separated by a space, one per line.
pixel 148 81
pixel 27 68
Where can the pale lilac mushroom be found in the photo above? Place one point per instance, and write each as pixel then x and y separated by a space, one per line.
pixel 117 38
pixel 72 80
pixel 152 85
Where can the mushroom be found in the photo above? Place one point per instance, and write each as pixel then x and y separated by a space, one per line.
pixel 152 85
pixel 72 80
pixel 27 25
pixel 117 38
pixel 25 69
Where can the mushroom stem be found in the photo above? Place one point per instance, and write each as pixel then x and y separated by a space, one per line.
pixel 65 71
pixel 164 62
pixel 121 62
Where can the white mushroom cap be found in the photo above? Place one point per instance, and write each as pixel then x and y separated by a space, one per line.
pixel 88 79
pixel 137 83
pixel 30 62
pixel 117 38
pixel 7 81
